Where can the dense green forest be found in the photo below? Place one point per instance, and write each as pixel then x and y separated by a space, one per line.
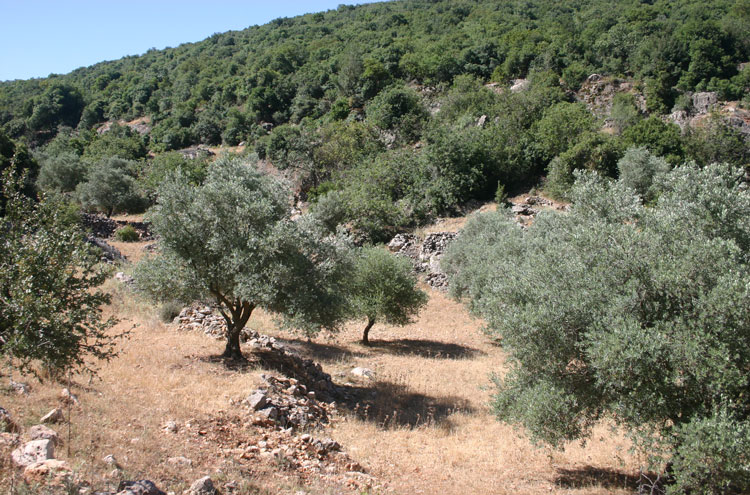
pixel 375 107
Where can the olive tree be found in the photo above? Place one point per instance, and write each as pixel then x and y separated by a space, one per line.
pixel 232 240
pixel 637 314
pixel 50 307
pixel 109 187
pixel 383 288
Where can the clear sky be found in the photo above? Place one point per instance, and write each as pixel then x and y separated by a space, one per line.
pixel 41 37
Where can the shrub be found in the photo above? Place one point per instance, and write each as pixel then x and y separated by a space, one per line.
pixel 169 310
pixel 127 234
pixel 638 168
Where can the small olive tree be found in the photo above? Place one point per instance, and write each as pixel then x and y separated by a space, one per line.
pixel 50 307
pixel 232 240
pixel 639 314
pixel 383 288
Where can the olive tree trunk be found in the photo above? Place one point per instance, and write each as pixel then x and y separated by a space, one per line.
pixel 366 334
pixel 239 314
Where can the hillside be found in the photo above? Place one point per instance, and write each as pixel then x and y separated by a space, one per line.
pixel 583 165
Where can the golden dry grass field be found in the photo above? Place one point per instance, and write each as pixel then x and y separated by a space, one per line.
pixel 426 426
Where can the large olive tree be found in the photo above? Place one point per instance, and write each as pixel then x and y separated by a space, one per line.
pixel 639 314
pixel 232 240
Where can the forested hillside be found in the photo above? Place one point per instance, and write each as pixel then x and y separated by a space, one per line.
pixel 378 105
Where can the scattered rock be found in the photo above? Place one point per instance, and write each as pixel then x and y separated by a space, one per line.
pixel 196 152
pixel 54 416
pixel 179 461
pixel 125 279
pixel 203 486
pixel 67 397
pixel 363 373
pixel 482 121
pixel 41 432
pixel 257 400
pixel 110 254
pixel 598 93
pixel 170 427
pixel 50 472
pixel 520 85
pixel 9 439
pixel 6 422
pixel 140 487
pixel 110 460
pixel 405 244
pixel 19 387
pixel 104 228
pixel 34 451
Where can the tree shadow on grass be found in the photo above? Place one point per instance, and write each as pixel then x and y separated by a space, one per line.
pixel 391 405
pixel 320 352
pixel 590 476
pixel 231 364
pixel 425 348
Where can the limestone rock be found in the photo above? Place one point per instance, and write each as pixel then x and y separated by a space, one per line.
pixel 50 471
pixel 203 486
pixel 704 101
pixel 140 487
pixel 170 427
pixel 6 422
pixel 19 387
pixel 41 432
pixel 257 401
pixel 363 373
pixel 67 397
pixel 34 451
pixel 54 416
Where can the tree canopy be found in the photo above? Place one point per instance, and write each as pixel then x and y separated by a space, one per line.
pixel 383 288
pixel 639 314
pixel 232 240
pixel 50 307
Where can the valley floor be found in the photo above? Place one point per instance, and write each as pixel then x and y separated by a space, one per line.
pixel 423 424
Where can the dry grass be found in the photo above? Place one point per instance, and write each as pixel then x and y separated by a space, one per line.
pixel 421 426
pixel 445 439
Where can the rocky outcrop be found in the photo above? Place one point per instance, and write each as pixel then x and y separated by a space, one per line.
pixel 598 93
pixel 196 153
pixel 425 255
pixel 704 102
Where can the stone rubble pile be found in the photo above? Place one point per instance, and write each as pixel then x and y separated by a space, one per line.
pixel 304 453
pixel 308 374
pixel 425 255
pixel 110 254
pixel 103 227
pixel 202 318
pixel 287 403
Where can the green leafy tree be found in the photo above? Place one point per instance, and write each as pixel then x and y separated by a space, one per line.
pixel 61 172
pixel 110 187
pixel 618 311
pixel 639 169
pixel 232 240
pixel 50 307
pixel 383 288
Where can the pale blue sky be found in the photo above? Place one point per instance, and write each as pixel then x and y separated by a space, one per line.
pixel 40 37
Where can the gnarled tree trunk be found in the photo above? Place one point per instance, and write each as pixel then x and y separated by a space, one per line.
pixel 239 313
pixel 366 334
